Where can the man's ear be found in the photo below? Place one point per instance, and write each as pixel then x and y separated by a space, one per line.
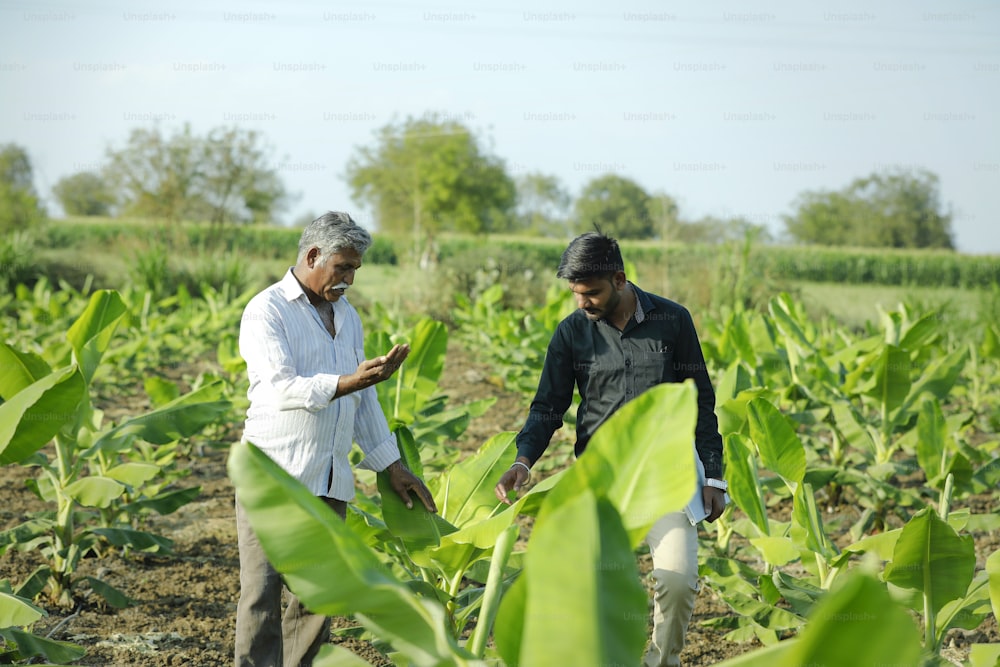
pixel 619 280
pixel 311 256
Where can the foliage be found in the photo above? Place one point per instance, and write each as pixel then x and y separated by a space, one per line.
pixel 424 176
pixel 713 230
pixel 410 565
pixel 512 341
pixel 17 644
pixel 84 193
pixel 225 176
pixel 542 205
pixel 239 180
pixel 17 263
pixel 927 268
pixel 896 209
pixel 618 205
pixel 20 208
pixel 413 400
pixel 99 479
pixel 831 421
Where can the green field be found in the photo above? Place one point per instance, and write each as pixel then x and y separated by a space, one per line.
pixel 860 421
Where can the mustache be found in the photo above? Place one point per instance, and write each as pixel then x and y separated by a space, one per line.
pixel 343 286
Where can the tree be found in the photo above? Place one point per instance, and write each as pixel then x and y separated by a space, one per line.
pixel 429 175
pixel 542 205
pixel 223 176
pixel 155 176
pixel 238 181
pixel 710 229
pixel 618 205
pixel 898 209
pixel 84 193
pixel 19 205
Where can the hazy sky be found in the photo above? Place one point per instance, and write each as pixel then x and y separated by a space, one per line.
pixel 732 108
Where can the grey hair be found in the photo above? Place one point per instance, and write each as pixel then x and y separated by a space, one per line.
pixel 332 232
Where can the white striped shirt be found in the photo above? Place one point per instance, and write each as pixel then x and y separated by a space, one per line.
pixel 294 365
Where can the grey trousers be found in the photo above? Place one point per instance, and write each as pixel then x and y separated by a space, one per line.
pixel 265 637
pixel 673 545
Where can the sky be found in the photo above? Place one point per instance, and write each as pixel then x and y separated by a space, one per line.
pixel 732 108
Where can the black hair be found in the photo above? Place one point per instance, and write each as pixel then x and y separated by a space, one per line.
pixel 590 255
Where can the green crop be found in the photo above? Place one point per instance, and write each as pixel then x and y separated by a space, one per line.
pixel 96 477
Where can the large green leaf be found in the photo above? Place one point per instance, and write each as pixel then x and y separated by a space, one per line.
pixel 91 333
pixel 181 418
pixel 133 473
pixel 464 492
pixel 642 459
pixel 416 526
pixel 744 485
pixel 29 645
pixel 932 558
pixel 984 655
pixel 135 539
pixel 330 568
pixel 808 523
pixel 95 491
pixel 993 570
pixel 776 550
pixel 932 438
pixel 164 502
pixel 593 613
pixel 428 347
pixel 857 624
pixel 966 612
pixel 18 370
pixel 16 611
pixel 780 449
pixel 938 378
pixel 508 633
pixel 30 419
pixel 892 378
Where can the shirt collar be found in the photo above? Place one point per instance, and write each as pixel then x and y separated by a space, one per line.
pixel 643 304
pixel 290 286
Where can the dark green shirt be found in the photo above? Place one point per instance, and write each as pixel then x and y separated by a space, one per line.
pixel 611 367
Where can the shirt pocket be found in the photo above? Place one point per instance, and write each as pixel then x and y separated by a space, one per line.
pixel 653 365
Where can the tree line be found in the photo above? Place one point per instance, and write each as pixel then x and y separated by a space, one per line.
pixel 432 174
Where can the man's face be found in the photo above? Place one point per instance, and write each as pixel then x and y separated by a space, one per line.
pixel 598 297
pixel 331 275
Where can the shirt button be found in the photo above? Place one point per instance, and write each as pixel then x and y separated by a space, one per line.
pixel 628 362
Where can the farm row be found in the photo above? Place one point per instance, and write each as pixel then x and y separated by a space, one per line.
pixel 863 466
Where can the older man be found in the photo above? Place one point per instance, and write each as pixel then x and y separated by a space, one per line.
pixel 311 397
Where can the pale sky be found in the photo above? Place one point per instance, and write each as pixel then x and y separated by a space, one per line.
pixel 732 108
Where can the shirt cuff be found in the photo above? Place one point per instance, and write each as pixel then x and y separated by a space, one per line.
pixel 382 456
pixel 324 389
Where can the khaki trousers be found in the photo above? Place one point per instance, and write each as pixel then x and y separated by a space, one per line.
pixel 265 637
pixel 673 545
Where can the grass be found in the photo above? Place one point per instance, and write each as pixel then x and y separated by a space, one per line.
pixel 856 305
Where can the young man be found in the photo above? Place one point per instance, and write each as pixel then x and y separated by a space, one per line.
pixel 619 343
pixel 311 396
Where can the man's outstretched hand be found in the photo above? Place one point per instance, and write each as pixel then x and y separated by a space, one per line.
pixel 403 481
pixel 515 478
pixel 373 371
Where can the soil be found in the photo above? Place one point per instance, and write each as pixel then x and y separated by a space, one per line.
pixel 184 605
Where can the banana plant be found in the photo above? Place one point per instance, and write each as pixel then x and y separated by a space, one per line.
pixel 18 644
pixel 638 466
pixel 413 399
pixel 87 471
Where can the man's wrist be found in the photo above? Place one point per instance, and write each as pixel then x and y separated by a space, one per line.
pixel 521 464
pixel 717 483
